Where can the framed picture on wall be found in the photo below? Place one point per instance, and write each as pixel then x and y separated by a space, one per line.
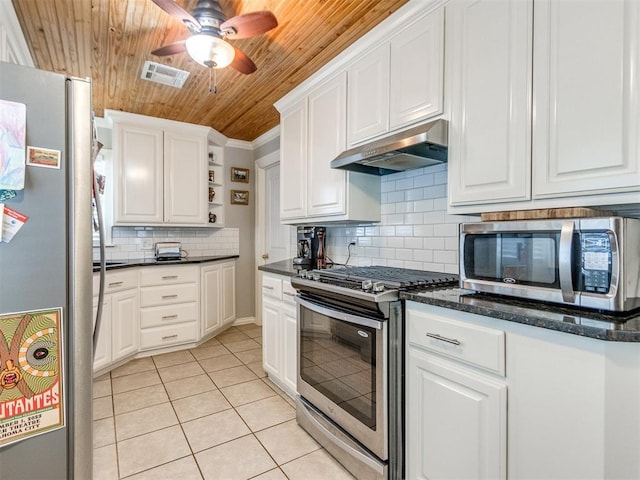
pixel 239 174
pixel 239 197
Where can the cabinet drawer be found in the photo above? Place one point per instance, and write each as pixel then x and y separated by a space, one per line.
pixel 152 296
pixel 168 275
pixel 116 280
pixel 288 292
pixel 272 287
pixel 168 314
pixel 472 344
pixel 168 335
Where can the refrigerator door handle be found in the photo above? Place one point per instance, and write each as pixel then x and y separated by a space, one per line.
pixel 96 146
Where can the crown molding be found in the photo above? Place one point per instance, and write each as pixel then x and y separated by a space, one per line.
pixel 266 137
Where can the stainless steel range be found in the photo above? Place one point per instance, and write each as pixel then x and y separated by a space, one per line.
pixel 351 363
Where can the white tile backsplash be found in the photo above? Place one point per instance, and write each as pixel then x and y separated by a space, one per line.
pixel 415 231
pixel 133 243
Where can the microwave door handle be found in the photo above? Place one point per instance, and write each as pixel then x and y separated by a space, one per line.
pixel 565 261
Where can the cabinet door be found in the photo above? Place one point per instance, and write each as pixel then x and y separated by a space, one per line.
pixel 293 162
pixel 368 91
pixel 289 324
pixel 185 178
pixel 211 307
pixel 228 300
pixel 416 72
pixel 125 324
pixel 489 62
pixel 456 421
pixel 586 87
pixel 138 167
pixel 102 355
pixel 326 187
pixel 271 337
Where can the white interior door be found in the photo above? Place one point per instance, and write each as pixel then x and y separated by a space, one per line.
pixel 276 235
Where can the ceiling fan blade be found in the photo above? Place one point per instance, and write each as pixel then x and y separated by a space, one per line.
pixel 249 24
pixel 242 63
pixel 170 49
pixel 176 11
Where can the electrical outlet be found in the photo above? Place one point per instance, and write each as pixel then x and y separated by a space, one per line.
pixel 146 244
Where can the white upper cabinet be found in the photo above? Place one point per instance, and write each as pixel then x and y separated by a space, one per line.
pixel 312 133
pixel 138 171
pixel 293 148
pixel 417 71
pixel 184 170
pixel 544 103
pixel 398 83
pixel 489 48
pixel 326 187
pixel 368 85
pixel 160 170
pixel 586 87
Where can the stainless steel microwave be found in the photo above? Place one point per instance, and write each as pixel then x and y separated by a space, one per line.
pixel 586 262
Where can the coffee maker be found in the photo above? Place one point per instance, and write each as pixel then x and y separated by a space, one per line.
pixel 311 247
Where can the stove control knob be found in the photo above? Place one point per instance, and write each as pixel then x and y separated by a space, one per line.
pixel 302 274
pixel 378 287
pixel 316 275
pixel 366 285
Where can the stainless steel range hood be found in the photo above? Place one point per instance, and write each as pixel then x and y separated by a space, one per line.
pixel 417 147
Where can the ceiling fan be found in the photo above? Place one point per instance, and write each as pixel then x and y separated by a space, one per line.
pixel 210 28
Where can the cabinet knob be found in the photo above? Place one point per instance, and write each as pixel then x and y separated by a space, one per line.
pixel 265 256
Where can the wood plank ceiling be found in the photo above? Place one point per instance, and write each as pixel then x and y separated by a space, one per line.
pixel 109 41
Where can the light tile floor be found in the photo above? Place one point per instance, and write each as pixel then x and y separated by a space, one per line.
pixel 205 413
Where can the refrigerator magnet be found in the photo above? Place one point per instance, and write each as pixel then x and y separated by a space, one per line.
pixel 12 221
pixel 43 157
pixel 31 401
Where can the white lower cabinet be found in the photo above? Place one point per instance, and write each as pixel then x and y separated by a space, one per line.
pixel 279 331
pixel 169 306
pixel 118 336
pixel 573 402
pixel 157 307
pixel 456 414
pixel 217 297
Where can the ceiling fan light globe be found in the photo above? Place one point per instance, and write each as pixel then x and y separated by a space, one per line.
pixel 210 51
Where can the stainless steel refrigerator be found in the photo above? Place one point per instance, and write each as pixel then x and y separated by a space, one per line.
pixel 48 266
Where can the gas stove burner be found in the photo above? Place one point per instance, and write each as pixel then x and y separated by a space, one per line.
pixel 379 278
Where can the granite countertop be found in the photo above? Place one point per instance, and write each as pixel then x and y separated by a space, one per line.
pixel 587 323
pixel 283 267
pixel 141 262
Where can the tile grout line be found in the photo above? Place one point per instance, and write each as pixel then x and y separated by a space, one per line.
pixel 275 389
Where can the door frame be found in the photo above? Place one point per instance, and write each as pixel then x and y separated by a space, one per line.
pixel 261 165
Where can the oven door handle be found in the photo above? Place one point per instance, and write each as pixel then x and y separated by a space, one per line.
pixel 339 315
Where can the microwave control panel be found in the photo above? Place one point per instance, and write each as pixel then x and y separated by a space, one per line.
pixel 596 262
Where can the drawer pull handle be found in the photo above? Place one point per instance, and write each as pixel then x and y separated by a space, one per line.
pixel 443 339
pixel 289 294
pixel 115 284
pixel 169 277
pixel 169 297
pixel 169 337
pixel 169 317
pixel 267 287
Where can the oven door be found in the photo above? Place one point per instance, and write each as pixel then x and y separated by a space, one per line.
pixel 342 370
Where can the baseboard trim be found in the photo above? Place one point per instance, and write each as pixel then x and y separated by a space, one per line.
pixel 244 321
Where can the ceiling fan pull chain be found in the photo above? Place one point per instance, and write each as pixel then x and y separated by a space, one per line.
pixel 213 86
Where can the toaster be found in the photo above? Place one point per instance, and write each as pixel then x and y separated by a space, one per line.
pixel 168 250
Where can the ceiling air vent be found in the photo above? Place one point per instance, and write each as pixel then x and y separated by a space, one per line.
pixel 156 72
